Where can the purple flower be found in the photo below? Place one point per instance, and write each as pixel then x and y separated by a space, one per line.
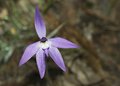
pixel 45 47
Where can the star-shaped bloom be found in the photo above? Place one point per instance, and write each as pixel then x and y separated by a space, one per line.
pixel 45 47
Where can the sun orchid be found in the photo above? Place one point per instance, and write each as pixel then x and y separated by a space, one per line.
pixel 45 47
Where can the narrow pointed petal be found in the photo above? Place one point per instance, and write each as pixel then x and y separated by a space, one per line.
pixel 29 52
pixel 46 52
pixel 39 24
pixel 40 59
pixel 57 58
pixel 62 43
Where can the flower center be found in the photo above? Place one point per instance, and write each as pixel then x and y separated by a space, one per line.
pixel 44 43
pixel 43 39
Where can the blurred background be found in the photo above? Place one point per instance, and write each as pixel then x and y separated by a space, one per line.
pixel 92 24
